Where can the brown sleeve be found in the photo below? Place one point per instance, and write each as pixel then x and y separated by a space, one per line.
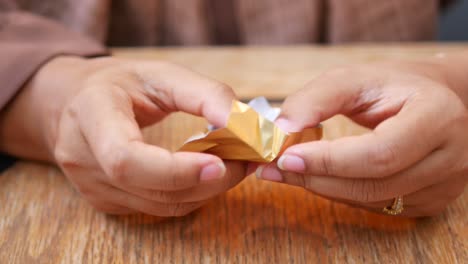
pixel 28 41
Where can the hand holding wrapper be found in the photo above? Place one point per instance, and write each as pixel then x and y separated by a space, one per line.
pixel 250 136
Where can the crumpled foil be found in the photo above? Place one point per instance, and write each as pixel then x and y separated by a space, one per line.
pixel 250 134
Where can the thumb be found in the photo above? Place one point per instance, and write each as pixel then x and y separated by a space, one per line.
pixel 334 92
pixel 175 88
pixel 401 138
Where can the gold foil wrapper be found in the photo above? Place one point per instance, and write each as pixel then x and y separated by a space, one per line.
pixel 249 136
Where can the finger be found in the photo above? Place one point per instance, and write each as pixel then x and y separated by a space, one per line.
pixel 434 194
pixel 376 154
pixel 362 92
pixel 111 195
pixel 176 88
pixel 364 190
pixel 432 170
pixel 411 208
pixel 105 118
pixel 112 200
pixel 87 183
pixel 418 204
pixel 393 146
pixel 235 173
pixel 419 185
pixel 252 167
pixel 329 94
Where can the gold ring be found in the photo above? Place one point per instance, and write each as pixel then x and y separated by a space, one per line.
pixel 396 208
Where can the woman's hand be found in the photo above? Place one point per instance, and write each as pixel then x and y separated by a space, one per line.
pixel 418 148
pixel 86 116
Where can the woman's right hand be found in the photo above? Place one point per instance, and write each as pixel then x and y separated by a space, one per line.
pixel 418 148
pixel 86 116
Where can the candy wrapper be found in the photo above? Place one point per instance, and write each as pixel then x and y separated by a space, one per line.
pixel 250 134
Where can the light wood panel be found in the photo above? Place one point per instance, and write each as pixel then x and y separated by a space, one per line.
pixel 276 72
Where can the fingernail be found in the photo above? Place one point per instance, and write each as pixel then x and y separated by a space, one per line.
pixel 268 173
pixel 212 171
pixel 291 163
pixel 286 125
pixel 283 123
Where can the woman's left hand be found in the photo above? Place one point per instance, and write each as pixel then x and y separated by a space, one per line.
pixel 418 148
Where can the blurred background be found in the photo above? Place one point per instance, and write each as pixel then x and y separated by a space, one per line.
pixel 453 23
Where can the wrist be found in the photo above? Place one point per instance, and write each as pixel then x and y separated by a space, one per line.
pixel 28 124
pixel 52 87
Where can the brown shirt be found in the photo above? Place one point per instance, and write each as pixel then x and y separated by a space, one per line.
pixel 32 31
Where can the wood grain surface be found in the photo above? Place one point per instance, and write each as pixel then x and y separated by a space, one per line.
pixel 43 220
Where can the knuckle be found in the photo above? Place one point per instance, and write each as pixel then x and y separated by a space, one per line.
pixel 61 156
pixel 64 158
pixel 116 164
pixel 73 109
pixel 61 152
pixel 222 87
pixel 380 160
pixel 77 107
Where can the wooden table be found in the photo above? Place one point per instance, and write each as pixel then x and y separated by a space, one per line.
pixel 42 219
